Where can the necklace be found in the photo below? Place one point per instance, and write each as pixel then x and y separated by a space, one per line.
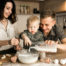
pixel 4 22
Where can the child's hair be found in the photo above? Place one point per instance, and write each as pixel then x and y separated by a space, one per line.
pixel 33 19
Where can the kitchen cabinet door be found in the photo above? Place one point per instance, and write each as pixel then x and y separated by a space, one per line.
pixel 60 21
pixel 64 21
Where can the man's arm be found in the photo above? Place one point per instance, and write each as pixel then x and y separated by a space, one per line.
pixel 63 41
pixel 61 47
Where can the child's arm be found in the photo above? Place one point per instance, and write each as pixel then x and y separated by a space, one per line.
pixel 27 41
pixel 25 38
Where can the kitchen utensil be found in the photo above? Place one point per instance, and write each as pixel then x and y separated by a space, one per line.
pixel 46 48
pixel 27 57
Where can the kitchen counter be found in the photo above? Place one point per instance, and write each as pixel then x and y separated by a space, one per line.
pixel 36 64
pixel 59 55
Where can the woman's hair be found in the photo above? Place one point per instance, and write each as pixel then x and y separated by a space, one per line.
pixel 32 19
pixel 12 17
pixel 47 13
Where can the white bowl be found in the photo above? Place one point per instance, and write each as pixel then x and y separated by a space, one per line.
pixel 27 57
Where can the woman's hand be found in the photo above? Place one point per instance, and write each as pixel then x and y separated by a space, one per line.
pixel 14 41
pixel 50 42
pixel 14 59
pixel 18 47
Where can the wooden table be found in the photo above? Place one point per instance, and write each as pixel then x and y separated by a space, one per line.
pixel 59 55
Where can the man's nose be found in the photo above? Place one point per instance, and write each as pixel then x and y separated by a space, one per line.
pixel 44 27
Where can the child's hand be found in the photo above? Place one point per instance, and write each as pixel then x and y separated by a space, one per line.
pixel 14 41
pixel 27 41
pixel 14 59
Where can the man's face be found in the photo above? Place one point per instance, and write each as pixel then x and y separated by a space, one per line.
pixel 47 24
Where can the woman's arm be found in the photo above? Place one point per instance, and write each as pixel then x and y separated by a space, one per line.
pixel 13 41
pixel 5 42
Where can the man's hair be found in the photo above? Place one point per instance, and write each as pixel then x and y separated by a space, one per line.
pixel 47 13
pixel 32 19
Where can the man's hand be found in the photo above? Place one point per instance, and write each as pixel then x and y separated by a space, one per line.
pixel 50 42
pixel 14 41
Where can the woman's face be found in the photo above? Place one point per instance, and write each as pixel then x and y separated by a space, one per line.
pixel 8 9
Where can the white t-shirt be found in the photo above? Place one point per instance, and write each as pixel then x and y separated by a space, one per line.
pixel 6 34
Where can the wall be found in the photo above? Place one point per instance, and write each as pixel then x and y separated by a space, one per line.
pixel 56 5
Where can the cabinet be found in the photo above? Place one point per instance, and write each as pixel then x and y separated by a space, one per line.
pixel 26 7
pixel 61 19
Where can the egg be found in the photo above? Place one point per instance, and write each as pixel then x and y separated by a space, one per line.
pixel 65 60
pixel 62 61
pixel 56 61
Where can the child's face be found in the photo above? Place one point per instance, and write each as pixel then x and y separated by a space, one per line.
pixel 33 27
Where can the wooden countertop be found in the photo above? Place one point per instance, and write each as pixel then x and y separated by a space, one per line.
pixel 59 55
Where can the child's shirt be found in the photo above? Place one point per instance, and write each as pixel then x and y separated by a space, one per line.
pixel 36 38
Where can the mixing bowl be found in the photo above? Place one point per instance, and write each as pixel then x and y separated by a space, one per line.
pixel 27 57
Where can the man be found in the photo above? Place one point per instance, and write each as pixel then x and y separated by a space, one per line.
pixel 51 30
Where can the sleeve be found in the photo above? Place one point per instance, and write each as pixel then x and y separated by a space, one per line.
pixel 25 32
pixel 60 32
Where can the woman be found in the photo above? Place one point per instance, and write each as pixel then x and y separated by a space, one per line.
pixel 7 18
